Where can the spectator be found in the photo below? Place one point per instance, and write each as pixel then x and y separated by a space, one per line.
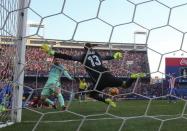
pixel 82 88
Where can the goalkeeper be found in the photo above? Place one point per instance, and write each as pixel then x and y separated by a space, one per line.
pixel 53 84
pixel 100 76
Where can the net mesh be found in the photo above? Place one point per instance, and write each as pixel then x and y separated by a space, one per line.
pixel 142 104
pixel 8 31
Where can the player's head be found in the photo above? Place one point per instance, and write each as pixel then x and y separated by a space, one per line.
pixel 56 61
pixel 89 46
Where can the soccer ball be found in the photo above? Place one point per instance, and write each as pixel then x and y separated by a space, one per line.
pixel 114 91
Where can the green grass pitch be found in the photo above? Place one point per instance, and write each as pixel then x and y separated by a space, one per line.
pixel 129 115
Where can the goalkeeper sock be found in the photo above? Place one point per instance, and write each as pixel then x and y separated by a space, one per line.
pixel 49 101
pixel 60 99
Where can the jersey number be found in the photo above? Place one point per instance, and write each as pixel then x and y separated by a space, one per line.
pixel 94 60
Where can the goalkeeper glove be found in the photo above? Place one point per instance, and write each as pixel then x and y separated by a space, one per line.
pixel 47 48
pixel 117 55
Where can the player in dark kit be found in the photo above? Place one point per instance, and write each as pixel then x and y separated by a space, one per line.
pixel 100 76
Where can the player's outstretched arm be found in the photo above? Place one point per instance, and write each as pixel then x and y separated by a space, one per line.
pixel 48 49
pixel 116 55
pixel 66 74
pixel 68 57
pixel 107 57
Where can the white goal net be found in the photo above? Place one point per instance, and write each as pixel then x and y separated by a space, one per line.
pixel 146 32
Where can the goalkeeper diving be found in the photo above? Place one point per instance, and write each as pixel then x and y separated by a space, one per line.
pixel 100 75
pixel 53 84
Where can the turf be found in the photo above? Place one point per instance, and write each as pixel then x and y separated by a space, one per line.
pixel 129 115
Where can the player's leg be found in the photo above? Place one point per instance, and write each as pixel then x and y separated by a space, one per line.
pixel 81 94
pixel 111 81
pixel 97 96
pixel 46 92
pixel 169 97
pixel 60 98
pixel 176 94
pixel 108 80
pixel 128 82
pixel 102 84
pixel 172 99
pixel 45 98
pixel 132 79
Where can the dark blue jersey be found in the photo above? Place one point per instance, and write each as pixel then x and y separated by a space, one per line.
pixel 92 61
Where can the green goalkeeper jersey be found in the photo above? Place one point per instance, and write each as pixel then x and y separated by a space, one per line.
pixel 53 82
pixel 56 71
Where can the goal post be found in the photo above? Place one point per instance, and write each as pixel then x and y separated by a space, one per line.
pixel 20 61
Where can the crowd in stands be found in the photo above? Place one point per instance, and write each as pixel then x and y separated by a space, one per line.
pixel 38 62
pixel 37 65
pixel 6 61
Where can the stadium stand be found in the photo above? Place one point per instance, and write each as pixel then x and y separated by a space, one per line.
pixel 37 63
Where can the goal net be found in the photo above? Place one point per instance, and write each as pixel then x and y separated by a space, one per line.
pixel 12 48
pixel 155 102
